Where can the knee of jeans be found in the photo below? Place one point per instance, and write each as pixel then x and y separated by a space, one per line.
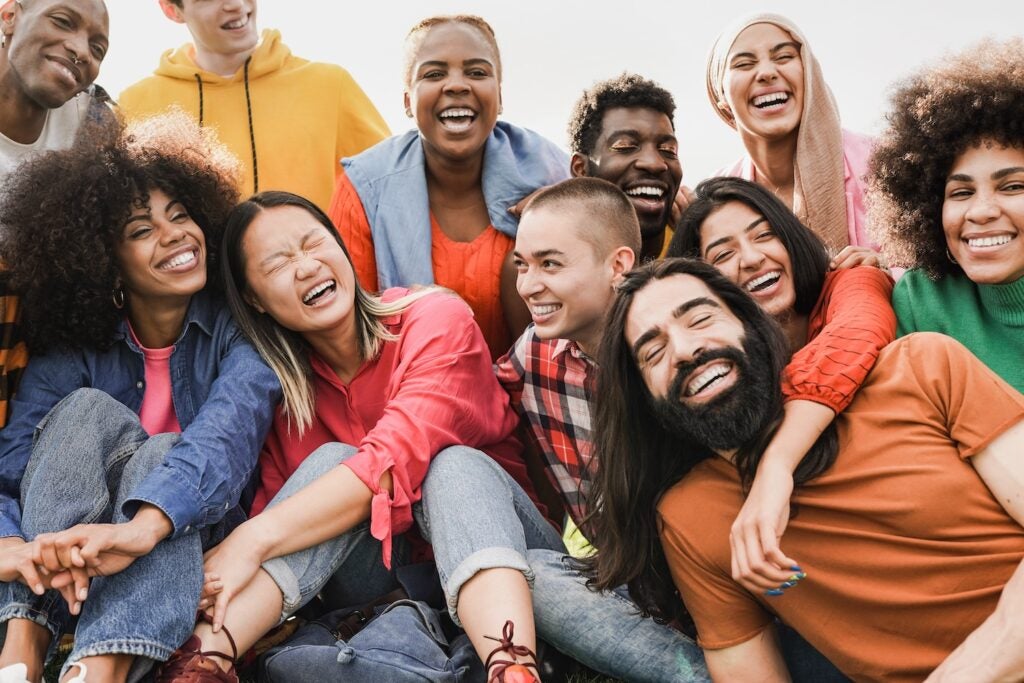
pixel 148 457
pixel 460 465
pixel 81 405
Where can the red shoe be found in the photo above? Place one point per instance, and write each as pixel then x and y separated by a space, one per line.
pixel 189 664
pixel 505 671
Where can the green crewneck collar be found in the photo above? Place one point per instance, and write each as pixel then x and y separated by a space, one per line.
pixel 1004 302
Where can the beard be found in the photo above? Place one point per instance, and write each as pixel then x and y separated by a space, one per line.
pixel 732 418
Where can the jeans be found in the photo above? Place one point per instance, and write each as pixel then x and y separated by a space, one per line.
pixel 348 569
pixel 605 630
pixel 88 456
pixel 477 517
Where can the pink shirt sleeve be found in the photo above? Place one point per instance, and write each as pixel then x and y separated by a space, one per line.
pixel 441 392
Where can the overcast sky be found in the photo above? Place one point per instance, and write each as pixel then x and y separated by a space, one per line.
pixel 553 49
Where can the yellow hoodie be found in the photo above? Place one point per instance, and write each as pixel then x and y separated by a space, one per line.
pixel 305 116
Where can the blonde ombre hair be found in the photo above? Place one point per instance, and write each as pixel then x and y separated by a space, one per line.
pixel 285 351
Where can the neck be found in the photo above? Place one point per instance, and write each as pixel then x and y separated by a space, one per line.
pixel 794 326
pixel 21 118
pixel 774 161
pixel 158 324
pixel 651 246
pixel 339 347
pixel 589 344
pixel 220 64
pixel 454 179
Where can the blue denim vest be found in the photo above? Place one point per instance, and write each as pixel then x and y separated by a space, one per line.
pixel 224 397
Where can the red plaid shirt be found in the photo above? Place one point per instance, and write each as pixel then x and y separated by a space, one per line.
pixel 551 384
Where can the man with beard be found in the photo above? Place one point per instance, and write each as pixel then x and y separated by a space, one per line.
pixel 622 131
pixel 910 541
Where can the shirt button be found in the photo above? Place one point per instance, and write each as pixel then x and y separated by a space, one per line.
pixel 227 506
pixel 140 384
pixel 187 529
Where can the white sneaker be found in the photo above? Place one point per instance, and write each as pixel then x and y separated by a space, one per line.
pixel 14 673
pixel 80 678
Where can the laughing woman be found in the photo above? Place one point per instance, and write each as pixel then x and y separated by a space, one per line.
pixel 142 410
pixel 432 205
pixel 764 81
pixel 377 390
pixel 948 189
pixel 836 323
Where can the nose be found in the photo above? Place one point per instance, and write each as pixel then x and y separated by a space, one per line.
pixel 684 345
pixel 306 267
pixel 983 209
pixel 78 49
pixel 650 159
pixel 767 70
pixel 528 284
pixel 171 233
pixel 456 82
pixel 750 257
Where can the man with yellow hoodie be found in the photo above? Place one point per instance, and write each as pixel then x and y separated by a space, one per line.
pixel 288 120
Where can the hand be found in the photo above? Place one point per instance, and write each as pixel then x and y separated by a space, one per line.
pixel 680 203
pixel 233 564
pixel 758 563
pixel 852 256
pixel 517 208
pixel 17 563
pixel 211 586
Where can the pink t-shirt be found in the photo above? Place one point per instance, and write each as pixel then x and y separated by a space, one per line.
pixel 157 414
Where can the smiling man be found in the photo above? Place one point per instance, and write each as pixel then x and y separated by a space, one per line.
pixel 50 54
pixel 288 120
pixel 895 583
pixel 622 131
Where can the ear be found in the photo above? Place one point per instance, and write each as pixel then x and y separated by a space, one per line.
pixel 407 103
pixel 253 301
pixel 172 11
pixel 723 107
pixel 7 16
pixel 621 261
pixel 578 165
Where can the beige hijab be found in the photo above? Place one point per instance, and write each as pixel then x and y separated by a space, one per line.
pixel 819 188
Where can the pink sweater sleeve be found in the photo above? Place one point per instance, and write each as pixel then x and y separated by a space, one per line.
pixel 442 392
pixel 852 321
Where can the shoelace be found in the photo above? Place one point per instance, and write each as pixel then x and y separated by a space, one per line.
pixel 506 645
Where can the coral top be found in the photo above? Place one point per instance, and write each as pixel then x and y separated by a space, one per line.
pixel 470 269
pixel 850 324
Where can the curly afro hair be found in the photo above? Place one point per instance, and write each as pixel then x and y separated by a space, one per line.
pixel 63 214
pixel 626 90
pixel 937 114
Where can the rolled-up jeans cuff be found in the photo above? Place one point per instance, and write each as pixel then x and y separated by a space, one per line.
pixel 488 558
pixel 21 610
pixel 287 582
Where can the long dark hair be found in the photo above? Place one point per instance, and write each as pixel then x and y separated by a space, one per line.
pixel 640 461
pixel 808 255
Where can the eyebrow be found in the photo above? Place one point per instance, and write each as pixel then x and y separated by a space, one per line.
pixel 998 175
pixel 542 253
pixel 467 62
pixel 283 252
pixel 723 240
pixel 677 313
pixel 781 46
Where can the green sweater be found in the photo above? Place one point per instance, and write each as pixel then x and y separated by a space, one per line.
pixel 987 319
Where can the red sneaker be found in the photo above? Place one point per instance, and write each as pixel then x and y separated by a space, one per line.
pixel 505 671
pixel 189 664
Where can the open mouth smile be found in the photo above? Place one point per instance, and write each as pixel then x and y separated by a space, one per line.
pixel 708 379
pixel 181 261
pixel 762 282
pixel 988 242
pixel 318 291
pixel 457 119
pixel 770 101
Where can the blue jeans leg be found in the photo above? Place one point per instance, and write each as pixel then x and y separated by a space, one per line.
pixel 605 630
pixel 349 568
pixel 89 456
pixel 477 517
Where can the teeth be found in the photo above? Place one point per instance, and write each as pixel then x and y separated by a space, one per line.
pixel 319 289
pixel 704 379
pixel 456 113
pixel 770 98
pixel 989 241
pixel 760 280
pixel 645 191
pixel 547 309
pixel 237 23
pixel 179 260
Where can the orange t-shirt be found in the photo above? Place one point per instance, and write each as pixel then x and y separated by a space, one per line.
pixel 905 548
pixel 470 269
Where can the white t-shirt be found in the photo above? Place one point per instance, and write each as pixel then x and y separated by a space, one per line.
pixel 58 133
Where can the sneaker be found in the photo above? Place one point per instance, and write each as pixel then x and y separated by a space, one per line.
pixel 189 664
pixel 14 673
pixel 82 671
pixel 505 671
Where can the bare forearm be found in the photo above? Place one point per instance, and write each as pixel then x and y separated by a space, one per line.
pixel 803 423
pixel 326 508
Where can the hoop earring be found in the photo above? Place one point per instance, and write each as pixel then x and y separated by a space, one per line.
pixel 3 40
pixel 949 255
pixel 118 297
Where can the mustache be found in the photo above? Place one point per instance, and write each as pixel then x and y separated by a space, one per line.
pixel 675 389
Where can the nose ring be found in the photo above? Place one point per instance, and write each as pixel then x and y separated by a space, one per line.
pixel 76 61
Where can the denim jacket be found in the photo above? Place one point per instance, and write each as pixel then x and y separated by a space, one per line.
pixel 224 397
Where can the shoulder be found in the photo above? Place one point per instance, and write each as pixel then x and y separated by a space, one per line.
pixel 529 146
pixel 387 158
pixel 857 149
pixel 923 355
pixel 917 287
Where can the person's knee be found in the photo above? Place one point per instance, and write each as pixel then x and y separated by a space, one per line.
pixel 458 466
pixel 85 405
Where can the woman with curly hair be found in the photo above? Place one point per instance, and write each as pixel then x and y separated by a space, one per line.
pixel 764 81
pixel 142 410
pixel 948 202
pixel 432 205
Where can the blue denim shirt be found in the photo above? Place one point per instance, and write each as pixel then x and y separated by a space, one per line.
pixel 224 396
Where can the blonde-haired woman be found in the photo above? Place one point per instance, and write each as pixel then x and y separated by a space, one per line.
pixel 376 391
pixel 764 81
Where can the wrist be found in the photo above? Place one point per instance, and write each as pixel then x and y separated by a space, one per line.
pixel 258 535
pixel 152 524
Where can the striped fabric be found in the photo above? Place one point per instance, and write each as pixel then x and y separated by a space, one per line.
pixel 13 353
pixel 551 384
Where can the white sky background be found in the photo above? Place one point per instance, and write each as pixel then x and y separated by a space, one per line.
pixel 553 49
